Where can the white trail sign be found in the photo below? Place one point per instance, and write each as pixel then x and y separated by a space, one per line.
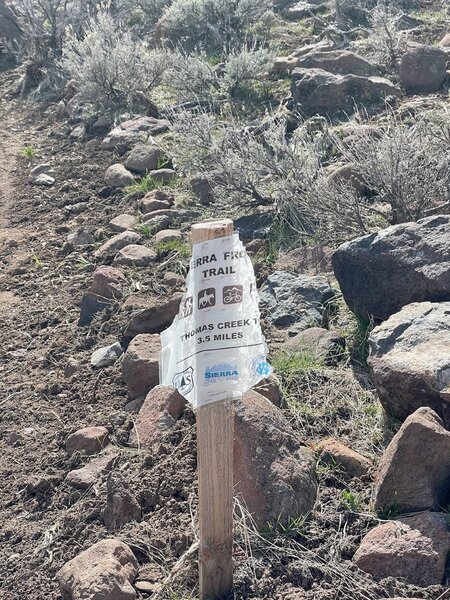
pixel 214 350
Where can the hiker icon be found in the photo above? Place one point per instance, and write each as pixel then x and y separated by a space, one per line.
pixel 186 307
pixel 207 298
pixel 232 294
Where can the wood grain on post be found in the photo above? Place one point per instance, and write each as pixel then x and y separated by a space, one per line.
pixel 215 434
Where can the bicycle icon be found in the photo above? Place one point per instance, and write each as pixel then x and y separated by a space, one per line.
pixel 232 294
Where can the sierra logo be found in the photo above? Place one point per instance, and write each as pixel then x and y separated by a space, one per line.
pixel 221 372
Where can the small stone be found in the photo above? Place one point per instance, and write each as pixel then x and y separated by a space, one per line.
pixel 105 571
pixel 42 169
pixel 117 242
pixel 157 222
pixel 118 176
pixel 123 222
pixel 134 406
pixel 80 238
pixel 144 158
pixel 135 256
pixel 168 235
pixel 44 180
pixel 109 282
pixel 121 504
pixel 147 587
pixel 162 175
pixel 103 122
pixel 140 365
pixel 270 389
pixel 89 440
pixel 83 478
pixel 156 200
pixel 106 356
pixel 162 407
pixel 332 452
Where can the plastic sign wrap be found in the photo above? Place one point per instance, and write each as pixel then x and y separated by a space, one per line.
pixel 215 349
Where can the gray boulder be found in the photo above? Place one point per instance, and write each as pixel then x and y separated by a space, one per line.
pixel 381 272
pixel 423 69
pixel 410 360
pixel 132 131
pixel 143 158
pixel 316 91
pixel 292 298
pixel 339 62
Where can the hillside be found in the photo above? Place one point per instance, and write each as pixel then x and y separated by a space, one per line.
pixel 321 128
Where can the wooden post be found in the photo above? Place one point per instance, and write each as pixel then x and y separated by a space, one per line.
pixel 215 434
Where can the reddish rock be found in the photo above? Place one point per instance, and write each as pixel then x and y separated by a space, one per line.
pixel 270 389
pixel 89 440
pixel 86 476
pixel 414 471
pixel 116 243
pixel 423 69
pixel 155 318
pixel 202 190
pixel 272 470
pixel 335 453
pixel 118 176
pixel 168 235
pixel 411 548
pixel 105 571
pixel 135 256
pixel 123 222
pixel 109 282
pixel 140 365
pixel 162 407
pixel 121 504
pixel 156 200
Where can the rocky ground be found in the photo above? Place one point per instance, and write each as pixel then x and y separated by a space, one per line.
pixel 98 462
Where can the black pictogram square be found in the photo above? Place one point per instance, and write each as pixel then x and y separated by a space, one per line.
pixel 207 298
pixel 186 307
pixel 232 294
